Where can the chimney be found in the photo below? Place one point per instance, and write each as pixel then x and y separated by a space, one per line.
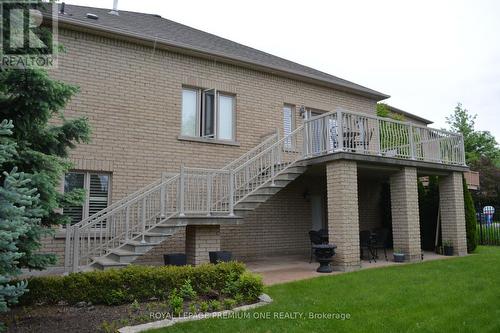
pixel 61 11
pixel 115 8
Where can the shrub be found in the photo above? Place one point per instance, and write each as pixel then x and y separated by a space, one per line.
pixel 187 291
pixel 250 286
pixel 470 219
pixel 229 303
pixel 214 305
pixel 204 306
pixel 175 302
pixel 139 283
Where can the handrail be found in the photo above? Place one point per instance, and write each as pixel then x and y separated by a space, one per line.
pixel 204 190
pixel 271 138
pixel 291 134
pixel 118 203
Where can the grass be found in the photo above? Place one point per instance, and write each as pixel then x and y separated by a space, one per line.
pixel 453 295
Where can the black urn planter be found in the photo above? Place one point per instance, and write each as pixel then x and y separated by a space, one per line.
pixel 448 250
pixel 399 257
pixel 220 256
pixel 324 255
pixel 175 259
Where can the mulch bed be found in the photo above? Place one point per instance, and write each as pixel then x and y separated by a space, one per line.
pixel 81 319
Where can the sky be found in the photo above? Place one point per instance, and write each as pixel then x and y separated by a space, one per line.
pixel 427 55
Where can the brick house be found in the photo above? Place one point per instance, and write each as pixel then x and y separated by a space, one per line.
pixel 201 144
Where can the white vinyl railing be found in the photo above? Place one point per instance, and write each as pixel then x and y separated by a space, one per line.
pixel 366 134
pixel 217 191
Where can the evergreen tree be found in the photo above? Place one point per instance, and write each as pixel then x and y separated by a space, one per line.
pixel 34 102
pixel 19 215
pixel 470 219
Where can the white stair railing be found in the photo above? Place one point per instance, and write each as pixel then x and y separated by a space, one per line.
pixel 217 191
pixel 120 224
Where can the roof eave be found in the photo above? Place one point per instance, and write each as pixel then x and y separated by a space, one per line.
pixel 189 50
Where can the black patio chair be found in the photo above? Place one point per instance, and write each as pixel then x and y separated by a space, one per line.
pixel 316 239
pixel 366 242
pixel 380 241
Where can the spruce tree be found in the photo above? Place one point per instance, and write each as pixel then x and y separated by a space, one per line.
pixel 34 101
pixel 20 214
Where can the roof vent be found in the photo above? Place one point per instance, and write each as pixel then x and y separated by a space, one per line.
pixel 115 8
pixel 92 16
pixel 61 11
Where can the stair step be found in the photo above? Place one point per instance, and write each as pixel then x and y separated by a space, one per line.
pixel 138 247
pixel 123 256
pixel 107 263
pixel 153 237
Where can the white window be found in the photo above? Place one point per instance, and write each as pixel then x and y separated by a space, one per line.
pixel 96 186
pixel 207 113
pixel 288 123
pixel 189 112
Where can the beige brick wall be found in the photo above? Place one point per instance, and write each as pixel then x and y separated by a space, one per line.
pixel 200 240
pixel 343 217
pixel 405 213
pixel 451 203
pixel 131 95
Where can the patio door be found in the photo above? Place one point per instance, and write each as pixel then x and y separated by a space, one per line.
pixel 318 212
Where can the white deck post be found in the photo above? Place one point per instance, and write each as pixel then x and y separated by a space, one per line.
pixel 143 220
pixel 209 193
pixel 162 195
pixel 340 131
pixel 76 249
pixel 411 142
pixel 181 192
pixel 231 193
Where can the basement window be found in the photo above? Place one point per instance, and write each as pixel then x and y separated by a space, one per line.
pixel 208 114
pixel 97 188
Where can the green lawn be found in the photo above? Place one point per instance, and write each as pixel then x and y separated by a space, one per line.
pixel 454 295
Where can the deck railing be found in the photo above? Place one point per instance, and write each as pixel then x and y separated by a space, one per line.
pixel 366 134
pixel 217 191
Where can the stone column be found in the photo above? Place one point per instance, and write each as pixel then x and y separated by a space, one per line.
pixel 201 239
pixel 451 205
pixel 405 214
pixel 343 217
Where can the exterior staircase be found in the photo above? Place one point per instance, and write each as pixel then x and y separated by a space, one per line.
pixel 126 230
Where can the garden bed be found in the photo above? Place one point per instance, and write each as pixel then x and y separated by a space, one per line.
pixel 107 300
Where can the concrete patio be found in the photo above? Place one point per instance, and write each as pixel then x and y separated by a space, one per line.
pixel 287 268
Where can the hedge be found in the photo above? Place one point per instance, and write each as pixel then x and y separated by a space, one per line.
pixel 142 283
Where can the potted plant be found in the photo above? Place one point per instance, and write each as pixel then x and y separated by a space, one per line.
pixel 399 256
pixel 448 248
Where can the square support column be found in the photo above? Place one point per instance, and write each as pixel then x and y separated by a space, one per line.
pixel 451 205
pixel 201 239
pixel 343 216
pixel 405 213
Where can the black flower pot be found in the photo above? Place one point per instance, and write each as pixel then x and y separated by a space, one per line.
pixel 399 257
pixel 448 250
pixel 220 256
pixel 324 255
pixel 175 259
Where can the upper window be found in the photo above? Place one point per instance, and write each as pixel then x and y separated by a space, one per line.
pixel 96 185
pixel 207 113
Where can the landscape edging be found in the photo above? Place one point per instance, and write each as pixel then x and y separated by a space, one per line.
pixel 264 300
